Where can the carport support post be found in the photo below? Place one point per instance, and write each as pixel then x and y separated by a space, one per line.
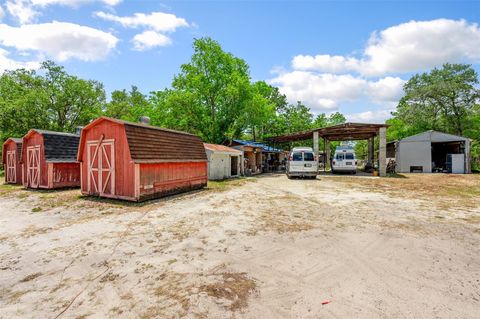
pixel 382 151
pixel 315 144
pixel 327 152
pixel 370 151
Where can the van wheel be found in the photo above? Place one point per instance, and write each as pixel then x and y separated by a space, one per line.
pixel 289 177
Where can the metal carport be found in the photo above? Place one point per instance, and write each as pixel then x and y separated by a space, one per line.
pixel 343 132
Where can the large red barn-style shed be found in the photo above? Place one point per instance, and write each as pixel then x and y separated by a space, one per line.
pixel 49 159
pixel 12 148
pixel 136 161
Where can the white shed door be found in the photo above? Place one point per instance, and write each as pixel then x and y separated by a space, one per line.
pixel 101 167
pixel 33 166
pixel 11 167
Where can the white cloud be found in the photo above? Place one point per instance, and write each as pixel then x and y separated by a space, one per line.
pixel 22 10
pixel 25 11
pixel 370 116
pixel 8 64
pixel 407 47
pixel 158 21
pixel 325 91
pixel 149 39
pixel 59 40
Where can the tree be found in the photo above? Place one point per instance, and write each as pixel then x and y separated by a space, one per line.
pixel 210 95
pixel 128 106
pixel 22 103
pixel 442 99
pixel 69 100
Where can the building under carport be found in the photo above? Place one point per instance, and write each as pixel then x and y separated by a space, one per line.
pixel 343 132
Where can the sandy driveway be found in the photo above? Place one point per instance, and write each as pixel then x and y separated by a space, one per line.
pixel 265 247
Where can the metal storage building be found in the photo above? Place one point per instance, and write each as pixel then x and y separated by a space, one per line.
pixel 12 148
pixel 223 161
pixel 433 151
pixel 49 159
pixel 135 161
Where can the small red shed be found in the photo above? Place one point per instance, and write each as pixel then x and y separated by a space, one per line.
pixel 136 162
pixel 12 148
pixel 50 159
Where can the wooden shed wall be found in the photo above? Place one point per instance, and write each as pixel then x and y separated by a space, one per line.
pixel 34 140
pixel 124 166
pixel 63 175
pixel 12 146
pixel 162 179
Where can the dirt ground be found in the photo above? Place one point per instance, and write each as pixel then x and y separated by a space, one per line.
pixel 264 247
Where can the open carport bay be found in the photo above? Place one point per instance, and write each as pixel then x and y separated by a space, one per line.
pixel 265 247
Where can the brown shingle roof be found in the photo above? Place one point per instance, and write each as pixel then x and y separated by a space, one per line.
pixel 151 144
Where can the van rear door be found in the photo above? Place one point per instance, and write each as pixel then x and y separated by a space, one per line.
pixel 296 162
pixel 310 163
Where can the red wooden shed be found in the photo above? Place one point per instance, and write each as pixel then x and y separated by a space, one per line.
pixel 50 159
pixel 12 148
pixel 136 162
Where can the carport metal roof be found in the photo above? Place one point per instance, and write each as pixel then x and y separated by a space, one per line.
pixel 340 132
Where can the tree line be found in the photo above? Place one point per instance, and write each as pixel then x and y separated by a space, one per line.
pixel 214 97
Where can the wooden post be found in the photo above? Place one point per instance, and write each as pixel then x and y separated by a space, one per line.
pixel 468 167
pixel 327 151
pixel 315 145
pixel 382 151
pixel 370 151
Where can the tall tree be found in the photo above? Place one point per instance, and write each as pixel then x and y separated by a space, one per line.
pixel 211 93
pixel 70 101
pixel 442 99
pixel 128 105
pixel 48 99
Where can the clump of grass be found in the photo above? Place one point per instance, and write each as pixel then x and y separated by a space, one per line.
pixel 36 209
pixel 31 277
pixel 235 287
pixel 228 183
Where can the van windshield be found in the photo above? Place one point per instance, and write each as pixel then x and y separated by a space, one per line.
pixel 308 157
pixel 297 156
pixel 349 156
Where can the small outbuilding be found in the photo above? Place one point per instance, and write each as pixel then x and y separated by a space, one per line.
pixel 49 159
pixel 223 161
pixel 12 148
pixel 252 154
pixel 433 151
pixel 136 161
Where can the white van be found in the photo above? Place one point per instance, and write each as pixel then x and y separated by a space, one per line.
pixel 302 162
pixel 344 160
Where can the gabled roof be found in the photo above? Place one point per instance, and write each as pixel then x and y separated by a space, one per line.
pixel 152 144
pixel 435 137
pixel 17 141
pixel 59 147
pixel 221 148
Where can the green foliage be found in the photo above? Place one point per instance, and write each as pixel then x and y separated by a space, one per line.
pixel 446 100
pixel 50 99
pixel 443 99
pixel 129 106
pixel 210 95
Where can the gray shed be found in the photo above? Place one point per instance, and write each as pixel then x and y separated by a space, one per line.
pixel 433 151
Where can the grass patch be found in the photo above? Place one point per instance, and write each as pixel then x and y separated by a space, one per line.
pixel 234 287
pixel 31 277
pixel 36 209
pixel 228 183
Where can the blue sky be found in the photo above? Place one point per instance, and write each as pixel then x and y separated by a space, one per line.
pixel 343 56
